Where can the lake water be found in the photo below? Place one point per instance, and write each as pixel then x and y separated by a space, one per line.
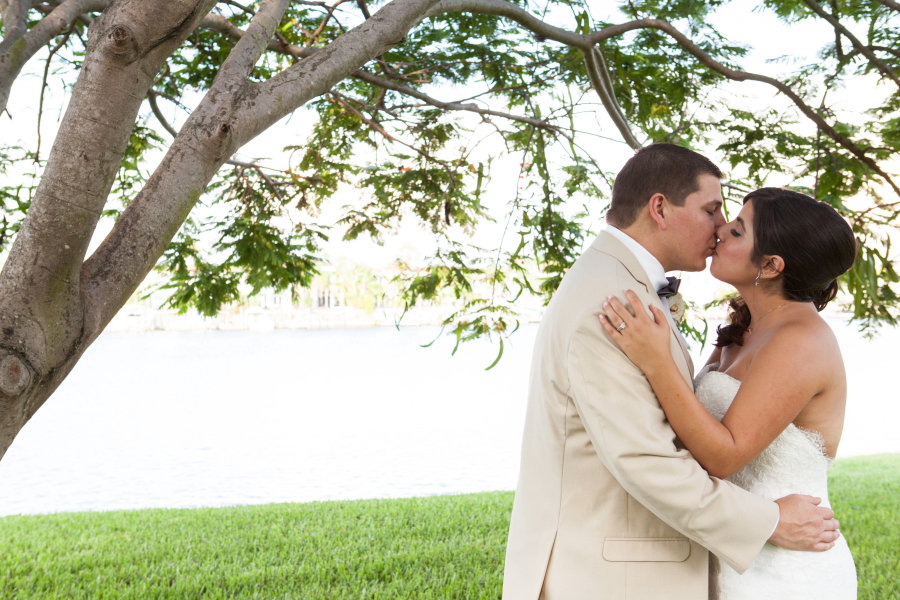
pixel 221 418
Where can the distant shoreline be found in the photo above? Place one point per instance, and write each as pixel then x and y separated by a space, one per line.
pixel 136 318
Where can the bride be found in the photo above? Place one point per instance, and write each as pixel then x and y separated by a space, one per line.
pixel 768 409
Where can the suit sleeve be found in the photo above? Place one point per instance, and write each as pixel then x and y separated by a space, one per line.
pixel 635 443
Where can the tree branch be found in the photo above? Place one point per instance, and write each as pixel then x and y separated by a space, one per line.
pixel 856 51
pixel 314 36
pixel 15 22
pixel 259 169
pixel 807 110
pixel 584 42
pixel 342 100
pixel 890 4
pixel 245 9
pixel 219 125
pixel 502 8
pixel 49 8
pixel 406 90
pixel 602 83
pixel 240 62
pixel 60 17
pixel 54 50
pixel 605 75
pixel 595 62
pixel 154 106
pixel 736 188
pixel 838 26
pixel 838 47
pixel 224 26
pixel 321 71
pixel 14 57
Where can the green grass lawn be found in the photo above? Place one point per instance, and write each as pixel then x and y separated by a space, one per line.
pixel 445 547
pixel 865 494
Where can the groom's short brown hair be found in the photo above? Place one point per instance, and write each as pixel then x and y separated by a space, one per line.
pixel 660 168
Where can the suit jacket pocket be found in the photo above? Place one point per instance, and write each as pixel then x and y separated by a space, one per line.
pixel 646 549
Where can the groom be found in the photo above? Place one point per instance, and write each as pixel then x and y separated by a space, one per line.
pixel 609 505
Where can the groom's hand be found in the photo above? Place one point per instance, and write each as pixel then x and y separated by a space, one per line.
pixel 804 525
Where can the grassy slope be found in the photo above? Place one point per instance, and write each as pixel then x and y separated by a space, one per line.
pixel 865 494
pixel 448 547
pixel 438 547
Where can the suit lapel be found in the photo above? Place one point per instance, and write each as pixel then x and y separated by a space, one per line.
pixel 608 244
pixel 681 341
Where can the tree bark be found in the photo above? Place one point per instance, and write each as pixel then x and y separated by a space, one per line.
pixel 42 326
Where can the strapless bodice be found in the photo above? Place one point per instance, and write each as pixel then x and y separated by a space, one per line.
pixel 794 463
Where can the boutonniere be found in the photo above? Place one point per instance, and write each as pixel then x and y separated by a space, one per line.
pixel 676 307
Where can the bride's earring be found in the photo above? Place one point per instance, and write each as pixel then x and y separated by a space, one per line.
pixel 757 277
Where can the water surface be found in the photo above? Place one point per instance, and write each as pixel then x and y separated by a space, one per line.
pixel 184 419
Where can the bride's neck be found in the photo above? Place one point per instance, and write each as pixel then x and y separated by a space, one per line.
pixel 760 301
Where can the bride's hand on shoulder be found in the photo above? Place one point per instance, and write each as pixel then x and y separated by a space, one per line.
pixel 644 338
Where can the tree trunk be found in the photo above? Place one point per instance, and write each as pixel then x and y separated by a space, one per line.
pixel 42 327
pixel 53 303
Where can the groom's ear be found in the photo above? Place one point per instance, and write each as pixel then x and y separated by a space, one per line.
pixel 657 208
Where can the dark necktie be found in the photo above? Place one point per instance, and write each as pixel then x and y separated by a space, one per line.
pixel 670 289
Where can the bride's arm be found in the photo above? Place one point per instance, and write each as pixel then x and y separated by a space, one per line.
pixel 715 357
pixel 783 377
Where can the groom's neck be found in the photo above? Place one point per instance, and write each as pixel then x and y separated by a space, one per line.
pixel 650 237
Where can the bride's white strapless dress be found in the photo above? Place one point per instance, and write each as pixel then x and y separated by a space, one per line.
pixel 794 463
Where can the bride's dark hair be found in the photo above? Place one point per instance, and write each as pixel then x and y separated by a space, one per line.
pixel 817 246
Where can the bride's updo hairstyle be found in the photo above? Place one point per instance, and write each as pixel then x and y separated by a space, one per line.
pixel 817 246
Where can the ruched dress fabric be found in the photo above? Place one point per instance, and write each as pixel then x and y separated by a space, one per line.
pixel 794 463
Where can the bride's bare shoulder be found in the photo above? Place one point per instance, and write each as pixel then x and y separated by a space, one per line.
pixel 809 328
pixel 807 339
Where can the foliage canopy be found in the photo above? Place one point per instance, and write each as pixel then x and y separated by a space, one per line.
pixel 666 74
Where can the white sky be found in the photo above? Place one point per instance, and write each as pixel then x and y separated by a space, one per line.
pixel 740 21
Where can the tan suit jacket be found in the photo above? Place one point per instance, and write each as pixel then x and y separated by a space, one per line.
pixel 609 505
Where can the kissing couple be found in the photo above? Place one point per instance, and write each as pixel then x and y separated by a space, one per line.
pixel 642 481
